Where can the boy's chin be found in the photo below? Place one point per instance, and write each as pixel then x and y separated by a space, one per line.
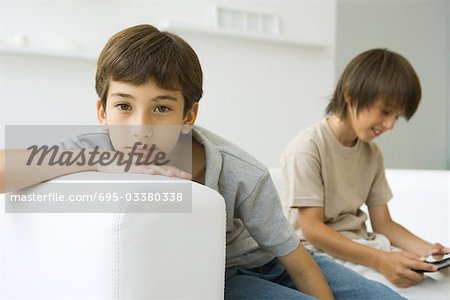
pixel 366 138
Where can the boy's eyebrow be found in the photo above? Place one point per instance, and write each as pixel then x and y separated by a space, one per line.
pixel 164 97
pixel 390 107
pixel 157 98
pixel 122 95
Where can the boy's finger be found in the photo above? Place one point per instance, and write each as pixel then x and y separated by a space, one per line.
pixel 436 248
pixel 408 278
pixel 411 255
pixel 184 175
pixel 175 172
pixel 438 251
pixel 156 169
pixel 171 171
pixel 422 266
pixel 438 256
pixel 413 277
pixel 161 170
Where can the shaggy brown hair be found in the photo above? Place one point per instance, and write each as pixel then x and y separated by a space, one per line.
pixel 141 53
pixel 373 75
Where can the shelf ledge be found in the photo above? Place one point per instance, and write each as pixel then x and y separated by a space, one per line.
pixel 50 52
pixel 244 35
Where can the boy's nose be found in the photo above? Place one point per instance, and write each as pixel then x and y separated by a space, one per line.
pixel 389 122
pixel 140 119
pixel 141 131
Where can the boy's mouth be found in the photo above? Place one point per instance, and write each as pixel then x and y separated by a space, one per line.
pixel 140 150
pixel 143 148
pixel 377 132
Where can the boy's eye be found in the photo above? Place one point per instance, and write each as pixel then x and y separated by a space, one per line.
pixel 123 106
pixel 162 109
pixel 385 112
pixel 389 113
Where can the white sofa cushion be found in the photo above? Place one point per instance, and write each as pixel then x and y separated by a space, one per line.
pixel 115 255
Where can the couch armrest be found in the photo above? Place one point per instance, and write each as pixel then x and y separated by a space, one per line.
pixel 115 255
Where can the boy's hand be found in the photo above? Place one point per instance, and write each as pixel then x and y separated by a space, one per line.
pixel 438 250
pixel 398 268
pixel 165 170
pixel 169 171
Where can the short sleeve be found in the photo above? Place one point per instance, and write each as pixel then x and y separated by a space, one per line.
pixel 303 183
pixel 68 143
pixel 86 141
pixel 263 217
pixel 380 192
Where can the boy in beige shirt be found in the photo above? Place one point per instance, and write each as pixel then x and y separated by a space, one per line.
pixel 332 168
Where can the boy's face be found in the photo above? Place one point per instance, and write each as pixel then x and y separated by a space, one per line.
pixel 373 121
pixel 144 113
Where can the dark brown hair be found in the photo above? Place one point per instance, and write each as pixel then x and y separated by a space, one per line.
pixel 373 75
pixel 141 53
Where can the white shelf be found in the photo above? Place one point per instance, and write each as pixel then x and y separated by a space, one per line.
pixel 174 27
pixel 50 52
pixel 244 35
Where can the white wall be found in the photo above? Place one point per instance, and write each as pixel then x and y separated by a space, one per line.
pixel 448 85
pixel 419 30
pixel 257 94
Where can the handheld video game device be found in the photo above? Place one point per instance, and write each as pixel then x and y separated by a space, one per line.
pixel 440 263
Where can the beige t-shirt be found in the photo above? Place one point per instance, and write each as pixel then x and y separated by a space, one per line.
pixel 319 171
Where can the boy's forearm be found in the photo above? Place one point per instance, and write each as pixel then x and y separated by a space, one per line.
pixel 306 274
pixel 404 239
pixel 16 174
pixel 336 244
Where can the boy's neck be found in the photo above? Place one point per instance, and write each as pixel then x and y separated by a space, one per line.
pixel 342 130
pixel 198 162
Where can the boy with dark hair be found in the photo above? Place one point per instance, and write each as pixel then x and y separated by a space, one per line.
pixel 332 168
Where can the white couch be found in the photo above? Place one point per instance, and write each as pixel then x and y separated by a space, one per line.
pixel 115 255
pixel 420 202
pixel 163 256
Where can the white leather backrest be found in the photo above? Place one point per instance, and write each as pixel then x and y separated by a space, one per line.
pixel 115 255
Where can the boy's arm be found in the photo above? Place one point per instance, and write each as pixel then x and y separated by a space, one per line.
pixel 306 274
pixel 398 235
pixel 395 266
pixel 16 174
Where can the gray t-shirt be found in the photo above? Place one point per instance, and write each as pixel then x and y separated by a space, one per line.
pixel 257 230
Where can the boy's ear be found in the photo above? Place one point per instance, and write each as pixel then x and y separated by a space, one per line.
pixel 347 97
pixel 190 118
pixel 101 115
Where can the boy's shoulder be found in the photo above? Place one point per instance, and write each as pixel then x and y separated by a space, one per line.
pixel 307 139
pixel 230 153
pixel 318 139
pixel 87 140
